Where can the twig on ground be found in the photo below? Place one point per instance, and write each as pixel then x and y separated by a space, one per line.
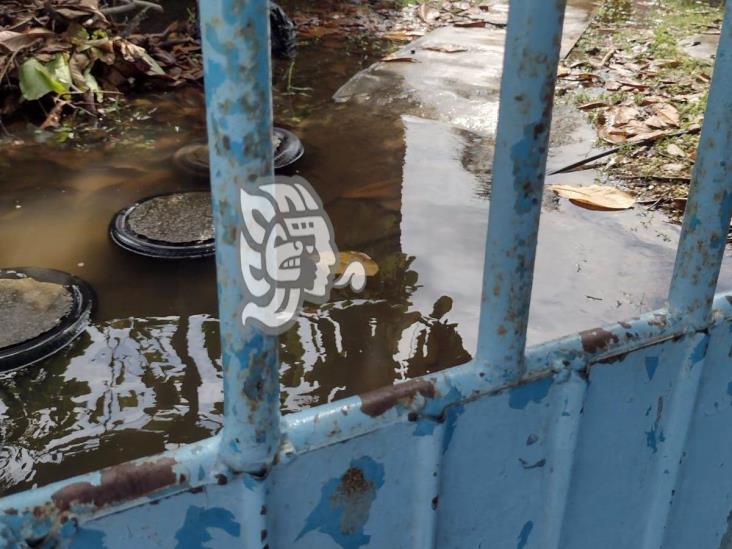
pixel 132 6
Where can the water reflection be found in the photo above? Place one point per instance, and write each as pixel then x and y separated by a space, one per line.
pixel 137 386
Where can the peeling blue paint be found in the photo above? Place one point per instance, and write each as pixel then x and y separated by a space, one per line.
pixel 194 532
pixel 520 396
pixel 523 537
pixel 87 537
pixel 426 426
pixel 345 504
pixel 651 365
pixel 653 437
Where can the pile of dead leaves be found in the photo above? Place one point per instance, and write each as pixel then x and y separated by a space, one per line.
pixel 69 56
pixel 645 96
pixel 393 20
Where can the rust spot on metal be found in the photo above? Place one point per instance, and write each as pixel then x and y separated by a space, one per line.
pixel 435 502
pixel 597 340
pixel 221 479
pixel 120 483
pixel 263 535
pixel 614 358
pixel 374 403
pixel 659 320
pixel 354 495
pixel 263 510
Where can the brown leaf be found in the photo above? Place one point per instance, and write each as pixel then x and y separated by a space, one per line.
pixel 675 150
pixel 428 14
pixel 614 138
pixel 344 258
pixel 471 24
pixel 446 48
pixel 394 58
pixel 593 105
pixel 595 197
pixel 633 84
pixel 16 41
pixel 398 36
pixel 623 115
pixel 674 167
pixel 667 113
pixel 655 122
pixel 650 136
pixel 652 99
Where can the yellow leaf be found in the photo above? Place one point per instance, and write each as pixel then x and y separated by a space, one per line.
pixel 595 197
pixel 344 258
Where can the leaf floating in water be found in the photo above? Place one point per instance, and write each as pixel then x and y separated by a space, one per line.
pixel 595 197
pixel 344 258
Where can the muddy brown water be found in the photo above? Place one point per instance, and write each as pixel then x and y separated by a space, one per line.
pixel 409 191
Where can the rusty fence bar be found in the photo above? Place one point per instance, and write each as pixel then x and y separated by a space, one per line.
pixel 527 93
pixel 708 210
pixel 239 109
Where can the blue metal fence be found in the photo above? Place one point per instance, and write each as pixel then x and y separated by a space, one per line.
pixel 613 437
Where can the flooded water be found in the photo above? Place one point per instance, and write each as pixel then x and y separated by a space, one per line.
pixel 400 182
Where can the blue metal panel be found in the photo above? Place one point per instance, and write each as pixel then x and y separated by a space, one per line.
pixel 239 110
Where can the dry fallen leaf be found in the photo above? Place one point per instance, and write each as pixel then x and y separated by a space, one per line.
pixel 396 36
pixel 667 113
pixel 651 99
pixel 655 122
pixel 595 197
pixel 592 105
pixel 446 48
pixel 674 167
pixel 344 258
pixel 471 24
pixel 623 115
pixel 675 150
pixel 393 58
pixel 427 13
pixel 650 136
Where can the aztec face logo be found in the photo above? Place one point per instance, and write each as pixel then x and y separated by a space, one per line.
pixel 288 253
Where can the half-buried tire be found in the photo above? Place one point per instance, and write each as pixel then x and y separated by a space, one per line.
pixel 42 311
pixel 193 159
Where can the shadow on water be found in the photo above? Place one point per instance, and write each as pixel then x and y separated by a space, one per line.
pixel 406 189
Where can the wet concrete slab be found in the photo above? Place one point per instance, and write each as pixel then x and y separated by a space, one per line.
pixel 460 87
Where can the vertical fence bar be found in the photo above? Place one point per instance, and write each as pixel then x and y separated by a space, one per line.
pixel 235 35
pixel 707 216
pixel 527 94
